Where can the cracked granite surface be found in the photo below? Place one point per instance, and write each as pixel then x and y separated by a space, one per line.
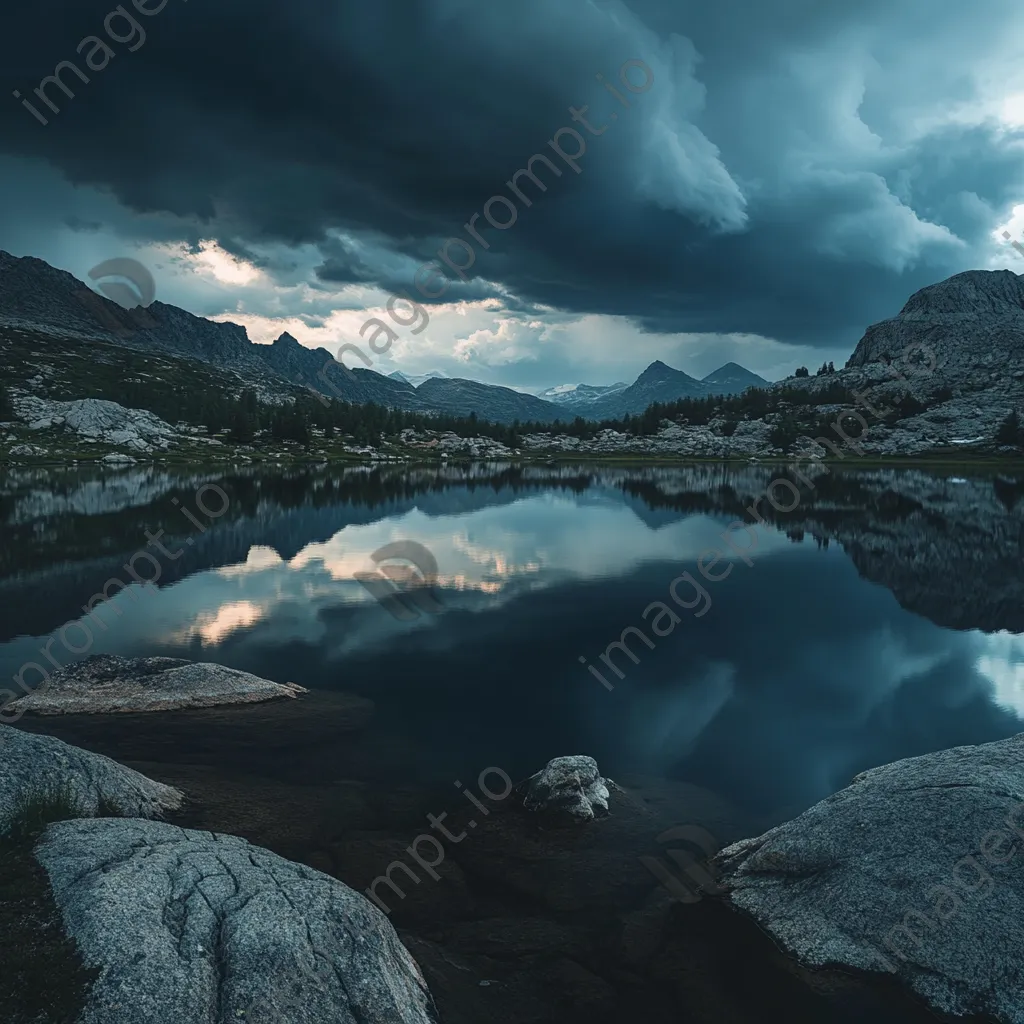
pixel 191 927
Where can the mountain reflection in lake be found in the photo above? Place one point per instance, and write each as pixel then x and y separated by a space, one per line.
pixel 879 620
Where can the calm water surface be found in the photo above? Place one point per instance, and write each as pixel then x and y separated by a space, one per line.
pixel 805 665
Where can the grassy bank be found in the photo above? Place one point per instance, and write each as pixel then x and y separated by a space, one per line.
pixel 43 980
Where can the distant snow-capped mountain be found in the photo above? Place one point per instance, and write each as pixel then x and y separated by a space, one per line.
pixel 658 383
pixel 417 379
pixel 580 394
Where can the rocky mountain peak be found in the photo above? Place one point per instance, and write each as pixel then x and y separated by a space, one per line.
pixel 658 371
pixel 970 319
pixel 968 296
pixel 732 378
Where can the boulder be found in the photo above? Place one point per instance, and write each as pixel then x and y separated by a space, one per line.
pixel 567 787
pixel 106 683
pixel 189 927
pixel 96 419
pixel 912 871
pixel 43 766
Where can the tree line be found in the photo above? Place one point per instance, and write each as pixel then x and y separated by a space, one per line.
pixel 248 419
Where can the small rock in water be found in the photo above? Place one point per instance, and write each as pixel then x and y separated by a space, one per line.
pixel 567 786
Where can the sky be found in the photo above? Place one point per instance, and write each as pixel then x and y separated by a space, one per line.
pixel 756 181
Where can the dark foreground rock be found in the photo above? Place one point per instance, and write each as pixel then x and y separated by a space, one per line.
pixel 45 768
pixel 512 917
pixel 106 683
pixel 192 927
pixel 913 871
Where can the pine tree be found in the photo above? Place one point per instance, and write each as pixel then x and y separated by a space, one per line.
pixel 784 433
pixel 242 427
pixel 212 418
pixel 1010 431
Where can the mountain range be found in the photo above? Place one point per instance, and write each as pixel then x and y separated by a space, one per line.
pixel 37 296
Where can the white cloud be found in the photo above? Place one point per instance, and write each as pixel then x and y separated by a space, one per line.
pixel 1002 661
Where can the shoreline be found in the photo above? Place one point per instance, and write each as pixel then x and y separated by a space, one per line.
pixel 569 919
pixel 986 460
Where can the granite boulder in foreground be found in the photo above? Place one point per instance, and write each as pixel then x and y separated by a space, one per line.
pixel 191 927
pixel 567 787
pixel 106 683
pixel 914 870
pixel 43 766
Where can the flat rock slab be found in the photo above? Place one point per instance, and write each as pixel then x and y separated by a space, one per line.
pixel 191 927
pixel 32 765
pixel 106 683
pixel 914 870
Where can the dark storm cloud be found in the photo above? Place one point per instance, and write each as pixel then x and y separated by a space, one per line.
pixel 372 261
pixel 746 191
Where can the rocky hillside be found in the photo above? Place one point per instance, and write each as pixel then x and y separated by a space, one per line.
pixel 318 369
pixel 943 374
pixel 46 301
pixel 51 303
pixel 971 320
pixel 497 404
